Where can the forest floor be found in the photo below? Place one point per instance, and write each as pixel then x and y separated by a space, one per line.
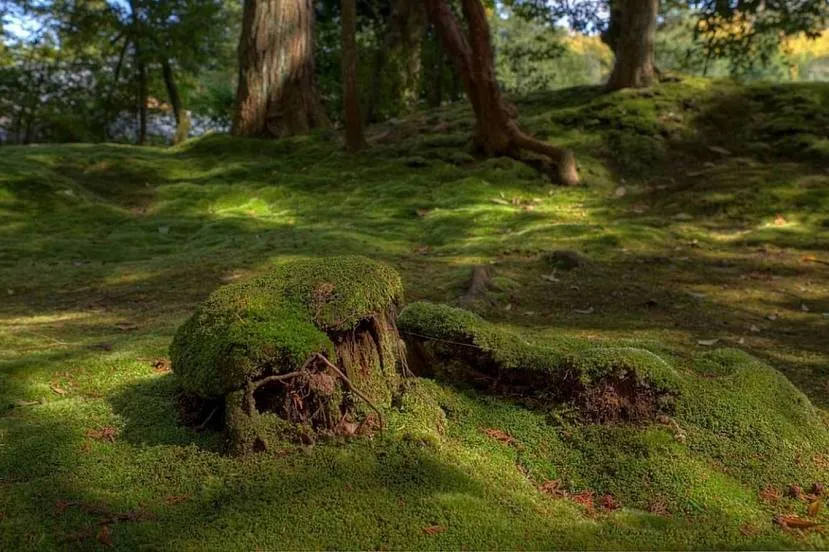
pixel 703 222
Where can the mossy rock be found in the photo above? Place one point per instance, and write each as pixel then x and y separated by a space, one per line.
pixel 340 308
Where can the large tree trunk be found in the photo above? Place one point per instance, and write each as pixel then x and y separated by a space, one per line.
pixel 354 139
pixel 182 120
pixel 496 131
pixel 632 38
pixel 398 67
pixel 277 93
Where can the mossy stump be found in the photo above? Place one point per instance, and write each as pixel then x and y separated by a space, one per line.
pixel 309 348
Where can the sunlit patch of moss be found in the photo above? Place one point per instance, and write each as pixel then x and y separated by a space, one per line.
pixel 275 322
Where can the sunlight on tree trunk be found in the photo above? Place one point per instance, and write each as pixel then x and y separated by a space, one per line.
pixel 496 131
pixel 182 119
pixel 277 94
pixel 633 38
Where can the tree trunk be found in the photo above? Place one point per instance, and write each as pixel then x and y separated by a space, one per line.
pixel 633 42
pixel 496 131
pixel 142 99
pixel 182 120
pixel 398 67
pixel 354 139
pixel 277 94
pixel 435 96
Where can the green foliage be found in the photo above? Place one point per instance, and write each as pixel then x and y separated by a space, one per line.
pixel 274 323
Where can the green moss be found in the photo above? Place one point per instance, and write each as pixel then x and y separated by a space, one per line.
pixel 275 322
pixel 566 360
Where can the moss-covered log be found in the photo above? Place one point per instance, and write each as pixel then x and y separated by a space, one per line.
pixel 309 347
pixel 609 383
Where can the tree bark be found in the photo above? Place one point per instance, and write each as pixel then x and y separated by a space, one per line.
pixel 632 40
pixel 496 131
pixel 354 139
pixel 398 67
pixel 277 94
pixel 182 120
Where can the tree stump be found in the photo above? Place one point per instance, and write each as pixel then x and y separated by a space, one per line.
pixel 310 348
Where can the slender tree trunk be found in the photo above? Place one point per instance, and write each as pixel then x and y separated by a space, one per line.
pixel 143 94
pixel 182 120
pixel 398 67
pixel 277 93
pixel 111 94
pixel 354 139
pixel 633 44
pixel 496 131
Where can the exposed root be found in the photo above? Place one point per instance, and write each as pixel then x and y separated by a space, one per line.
pixel 353 389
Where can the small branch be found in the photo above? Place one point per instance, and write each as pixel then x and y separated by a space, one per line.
pixel 206 421
pixel 280 378
pixel 352 387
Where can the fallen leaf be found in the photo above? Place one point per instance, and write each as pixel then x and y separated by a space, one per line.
pixel 584 311
pixel 779 220
pixel 550 277
pixel 554 488
pixel 55 388
pixel 620 192
pixel 422 212
pixel 772 317
pixel 608 502
pixel 585 498
pixel 794 522
pixel 815 507
pixel 500 201
pixel 795 491
pixel 708 342
pixel 106 433
pixel 749 530
pixel 754 329
pixel 499 435
pixel 163 229
pixel 104 537
pixel 126 326
pixel 176 499
pixel 804 308
pixel 770 494
pixel 434 529
pixel 658 507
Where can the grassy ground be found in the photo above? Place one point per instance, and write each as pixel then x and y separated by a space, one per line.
pixel 704 216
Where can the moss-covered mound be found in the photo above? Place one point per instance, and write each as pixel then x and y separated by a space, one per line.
pixel 610 382
pixel 287 323
pixel 726 406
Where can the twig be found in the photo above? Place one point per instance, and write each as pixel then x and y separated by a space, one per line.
pixel 352 387
pixel 282 377
pixel 206 421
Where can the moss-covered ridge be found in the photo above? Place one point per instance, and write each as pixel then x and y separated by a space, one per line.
pixel 566 368
pixel 727 393
pixel 272 324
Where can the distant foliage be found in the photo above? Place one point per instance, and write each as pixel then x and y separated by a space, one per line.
pixel 534 57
